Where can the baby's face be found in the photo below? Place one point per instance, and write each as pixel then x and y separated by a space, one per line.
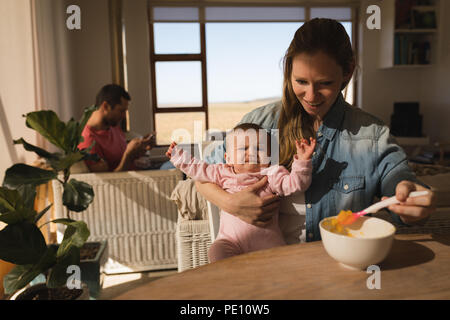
pixel 247 152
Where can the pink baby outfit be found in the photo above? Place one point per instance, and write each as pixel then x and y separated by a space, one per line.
pixel 236 236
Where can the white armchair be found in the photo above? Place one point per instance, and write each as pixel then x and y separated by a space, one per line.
pixel 132 210
pixel 198 220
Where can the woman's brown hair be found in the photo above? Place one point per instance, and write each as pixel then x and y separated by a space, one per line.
pixel 317 35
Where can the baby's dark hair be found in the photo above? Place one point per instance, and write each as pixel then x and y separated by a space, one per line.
pixel 247 126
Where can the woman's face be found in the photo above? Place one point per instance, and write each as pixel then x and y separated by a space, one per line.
pixel 317 80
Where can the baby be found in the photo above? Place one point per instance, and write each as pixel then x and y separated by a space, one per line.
pixel 247 161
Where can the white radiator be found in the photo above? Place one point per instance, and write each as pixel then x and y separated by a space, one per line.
pixel 131 210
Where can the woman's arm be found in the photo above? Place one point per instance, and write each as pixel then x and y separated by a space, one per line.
pixel 245 204
pixel 413 210
pixel 396 177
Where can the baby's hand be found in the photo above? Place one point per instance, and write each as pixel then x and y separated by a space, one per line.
pixel 169 151
pixel 305 149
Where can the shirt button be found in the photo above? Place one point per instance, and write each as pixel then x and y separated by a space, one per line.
pixel 314 153
pixel 319 134
pixel 346 187
pixel 310 235
pixel 309 205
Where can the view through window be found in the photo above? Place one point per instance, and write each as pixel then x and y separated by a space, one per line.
pixel 244 70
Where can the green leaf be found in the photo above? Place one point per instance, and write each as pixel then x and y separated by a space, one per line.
pixel 8 199
pixel 40 152
pixel 84 119
pixel 22 174
pixel 28 194
pixel 13 208
pixel 22 243
pixel 76 235
pixel 26 214
pixel 21 275
pixel 77 195
pixel 66 162
pixel 58 275
pixel 42 213
pixel 71 135
pixel 48 124
pixel 90 156
pixel 11 218
pixel 20 215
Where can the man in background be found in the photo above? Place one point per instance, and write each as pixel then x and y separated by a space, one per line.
pixel 103 128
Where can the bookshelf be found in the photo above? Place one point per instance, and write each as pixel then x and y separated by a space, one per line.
pixel 409 33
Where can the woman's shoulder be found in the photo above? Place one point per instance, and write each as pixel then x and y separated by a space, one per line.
pixel 266 116
pixel 359 122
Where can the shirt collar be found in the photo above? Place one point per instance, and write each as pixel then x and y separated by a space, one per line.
pixel 333 119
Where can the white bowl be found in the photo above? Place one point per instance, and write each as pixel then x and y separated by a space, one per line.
pixel 369 244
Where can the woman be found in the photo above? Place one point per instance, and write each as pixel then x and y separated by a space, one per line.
pixel 355 159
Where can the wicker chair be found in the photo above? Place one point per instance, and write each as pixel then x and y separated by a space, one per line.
pixel 131 210
pixel 193 242
pixel 194 237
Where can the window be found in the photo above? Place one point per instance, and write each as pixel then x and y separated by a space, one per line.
pixel 213 64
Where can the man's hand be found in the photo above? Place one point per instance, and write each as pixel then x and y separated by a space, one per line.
pixel 137 147
pixel 412 210
pixel 149 140
pixel 134 148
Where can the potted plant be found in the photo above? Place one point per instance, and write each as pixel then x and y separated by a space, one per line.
pixel 21 241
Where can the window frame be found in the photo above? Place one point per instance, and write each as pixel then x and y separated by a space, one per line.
pixel 201 57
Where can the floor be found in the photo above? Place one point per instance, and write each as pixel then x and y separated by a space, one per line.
pixel 115 285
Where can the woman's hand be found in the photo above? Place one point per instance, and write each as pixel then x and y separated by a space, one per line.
pixel 412 210
pixel 246 204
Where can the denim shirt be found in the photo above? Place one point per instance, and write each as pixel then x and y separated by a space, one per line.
pixel 355 160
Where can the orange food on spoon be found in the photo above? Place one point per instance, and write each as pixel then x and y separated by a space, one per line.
pixel 336 225
pixel 344 215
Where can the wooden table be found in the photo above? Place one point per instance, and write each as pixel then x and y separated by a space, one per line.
pixel 418 267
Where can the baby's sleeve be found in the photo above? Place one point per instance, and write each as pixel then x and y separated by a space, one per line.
pixel 195 168
pixel 284 183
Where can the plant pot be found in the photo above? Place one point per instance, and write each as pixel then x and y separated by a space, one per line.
pixel 41 292
pixel 92 268
pixel 91 265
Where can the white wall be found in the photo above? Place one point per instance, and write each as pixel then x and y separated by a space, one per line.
pixel 52 62
pixel 380 88
pixel 435 84
pixel 17 85
pixel 89 51
pixel 138 65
